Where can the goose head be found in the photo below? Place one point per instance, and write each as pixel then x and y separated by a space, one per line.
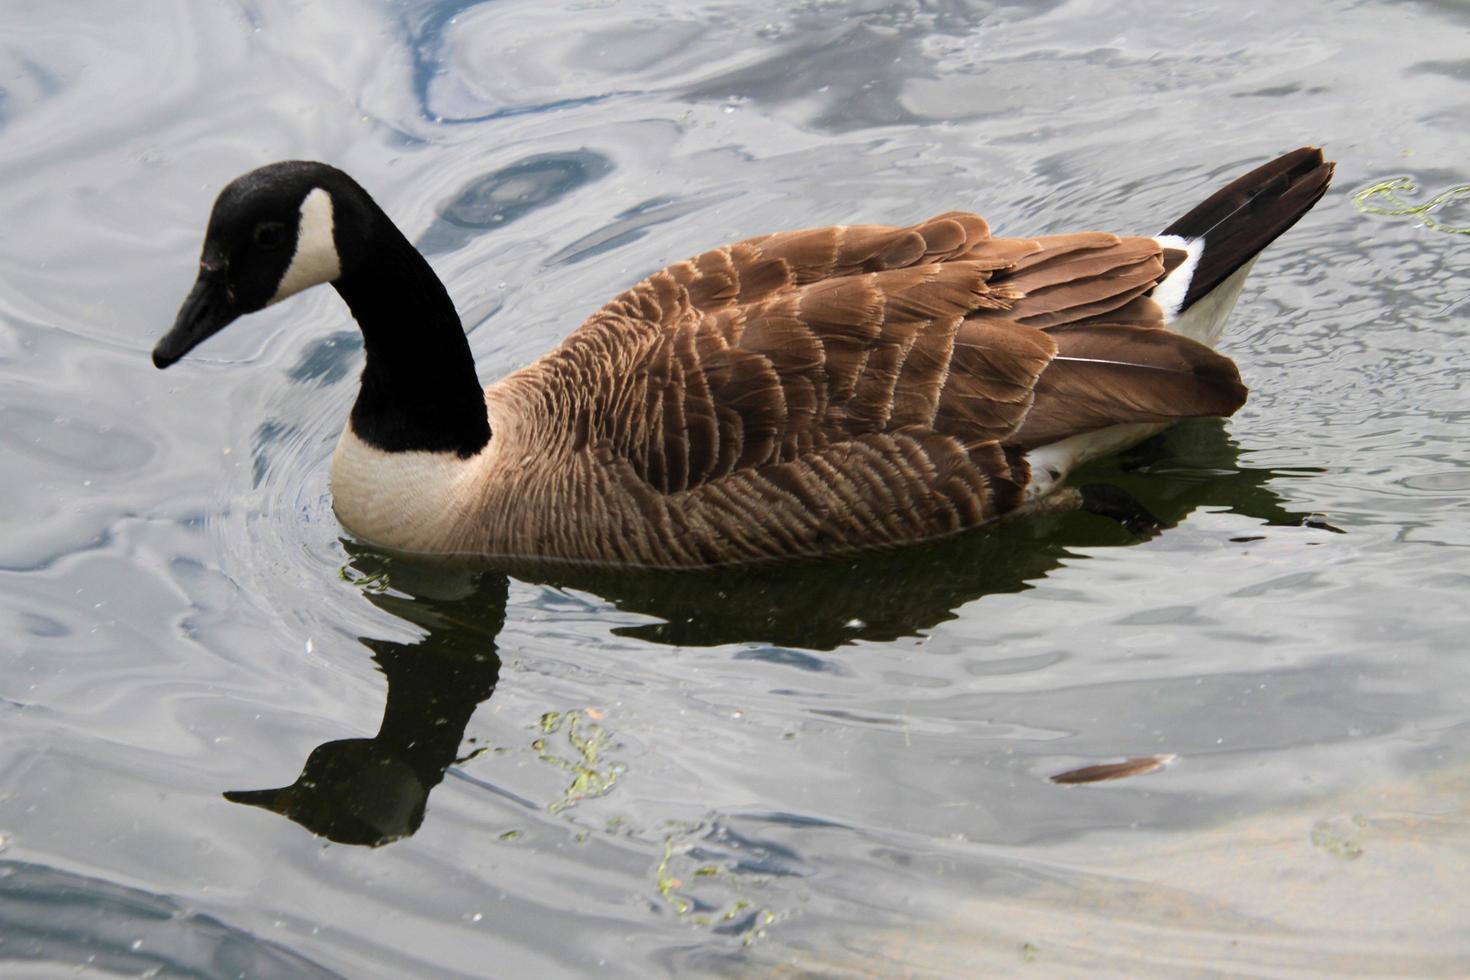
pixel 288 226
pixel 273 232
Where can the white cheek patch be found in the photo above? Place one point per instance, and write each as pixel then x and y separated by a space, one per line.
pixel 315 260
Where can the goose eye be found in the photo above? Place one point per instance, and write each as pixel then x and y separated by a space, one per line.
pixel 269 235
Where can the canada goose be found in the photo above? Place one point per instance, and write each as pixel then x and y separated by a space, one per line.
pixel 797 394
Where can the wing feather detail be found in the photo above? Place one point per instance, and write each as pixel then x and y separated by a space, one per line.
pixel 1106 374
pixel 876 376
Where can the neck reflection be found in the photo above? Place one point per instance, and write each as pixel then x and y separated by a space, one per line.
pixel 375 790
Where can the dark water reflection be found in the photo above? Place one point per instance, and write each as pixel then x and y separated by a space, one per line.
pixel 374 790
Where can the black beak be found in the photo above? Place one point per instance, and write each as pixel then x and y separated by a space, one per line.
pixel 205 312
pixel 269 799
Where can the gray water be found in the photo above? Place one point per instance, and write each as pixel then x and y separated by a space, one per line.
pixel 834 770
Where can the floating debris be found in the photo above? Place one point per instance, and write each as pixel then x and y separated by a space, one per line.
pixel 1340 835
pixel 592 775
pixel 375 583
pixel 728 911
pixel 1319 522
pixel 1388 192
pixel 1114 770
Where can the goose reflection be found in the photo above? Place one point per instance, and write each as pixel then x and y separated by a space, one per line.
pixel 375 790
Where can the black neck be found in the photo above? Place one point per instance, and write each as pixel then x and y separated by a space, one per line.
pixel 419 389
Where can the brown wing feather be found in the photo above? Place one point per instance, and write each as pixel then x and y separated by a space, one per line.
pixel 1106 374
pixel 1083 281
pixel 873 372
pixel 994 367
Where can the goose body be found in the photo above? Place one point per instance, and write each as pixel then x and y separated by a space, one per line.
pixel 798 394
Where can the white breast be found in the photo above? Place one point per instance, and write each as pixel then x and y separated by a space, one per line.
pixel 413 501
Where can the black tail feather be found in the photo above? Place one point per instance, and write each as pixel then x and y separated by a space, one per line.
pixel 1247 214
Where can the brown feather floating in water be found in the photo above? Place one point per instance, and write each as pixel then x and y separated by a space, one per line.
pixel 1114 770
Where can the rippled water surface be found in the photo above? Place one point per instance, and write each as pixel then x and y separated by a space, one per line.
pixel 835 770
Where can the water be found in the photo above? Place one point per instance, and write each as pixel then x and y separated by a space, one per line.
pixel 833 770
